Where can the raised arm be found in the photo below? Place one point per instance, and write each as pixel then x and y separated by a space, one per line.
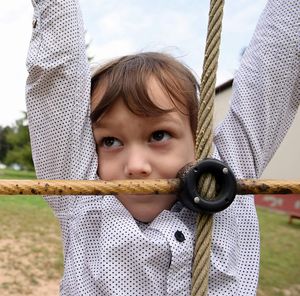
pixel 266 91
pixel 266 94
pixel 58 94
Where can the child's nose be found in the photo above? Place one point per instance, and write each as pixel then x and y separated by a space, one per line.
pixel 137 164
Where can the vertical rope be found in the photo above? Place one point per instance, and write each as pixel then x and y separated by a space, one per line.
pixel 203 147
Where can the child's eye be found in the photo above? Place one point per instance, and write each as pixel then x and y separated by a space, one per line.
pixel 110 142
pixel 159 136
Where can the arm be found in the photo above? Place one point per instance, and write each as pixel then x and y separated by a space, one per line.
pixel 58 96
pixel 266 94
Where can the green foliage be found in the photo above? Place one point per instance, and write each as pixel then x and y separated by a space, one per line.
pixel 15 143
pixel 4 146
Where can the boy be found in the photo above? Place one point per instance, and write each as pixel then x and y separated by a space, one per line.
pixel 142 125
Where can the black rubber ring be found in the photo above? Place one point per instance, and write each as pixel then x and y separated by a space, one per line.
pixel 225 180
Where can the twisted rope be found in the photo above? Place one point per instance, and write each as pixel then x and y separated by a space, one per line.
pixel 152 186
pixel 203 147
pixel 84 187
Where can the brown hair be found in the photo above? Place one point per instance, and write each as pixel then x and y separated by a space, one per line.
pixel 127 78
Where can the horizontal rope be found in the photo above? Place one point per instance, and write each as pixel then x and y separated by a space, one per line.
pixel 153 186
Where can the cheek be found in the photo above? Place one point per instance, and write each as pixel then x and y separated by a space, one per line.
pixel 108 170
pixel 190 154
pixel 190 147
pixel 186 155
pixel 170 170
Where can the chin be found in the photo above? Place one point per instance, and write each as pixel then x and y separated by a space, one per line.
pixel 145 208
pixel 145 217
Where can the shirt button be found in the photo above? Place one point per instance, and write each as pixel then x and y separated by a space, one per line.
pixel 179 236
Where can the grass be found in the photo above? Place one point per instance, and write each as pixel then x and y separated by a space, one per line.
pixel 280 256
pixel 30 245
pixel 31 255
pixel 12 174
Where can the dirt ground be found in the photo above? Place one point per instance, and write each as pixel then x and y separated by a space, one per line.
pixel 292 291
pixel 27 268
pixel 49 288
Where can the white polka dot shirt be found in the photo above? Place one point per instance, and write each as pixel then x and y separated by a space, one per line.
pixel 106 252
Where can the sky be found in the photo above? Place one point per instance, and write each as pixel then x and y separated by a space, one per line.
pixel 116 28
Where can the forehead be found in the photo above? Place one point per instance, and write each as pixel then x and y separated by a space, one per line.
pixel 119 117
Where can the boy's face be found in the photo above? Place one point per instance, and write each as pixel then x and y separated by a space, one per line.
pixel 135 147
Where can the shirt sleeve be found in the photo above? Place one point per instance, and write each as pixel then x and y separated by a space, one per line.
pixel 58 97
pixel 266 94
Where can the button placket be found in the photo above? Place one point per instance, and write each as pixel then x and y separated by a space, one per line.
pixel 180 239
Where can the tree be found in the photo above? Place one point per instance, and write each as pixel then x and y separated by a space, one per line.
pixel 18 140
pixel 4 146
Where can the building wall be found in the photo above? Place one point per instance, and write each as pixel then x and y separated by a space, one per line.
pixel 285 164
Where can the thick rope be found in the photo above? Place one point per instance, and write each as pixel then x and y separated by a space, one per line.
pixel 153 186
pixel 84 187
pixel 203 148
